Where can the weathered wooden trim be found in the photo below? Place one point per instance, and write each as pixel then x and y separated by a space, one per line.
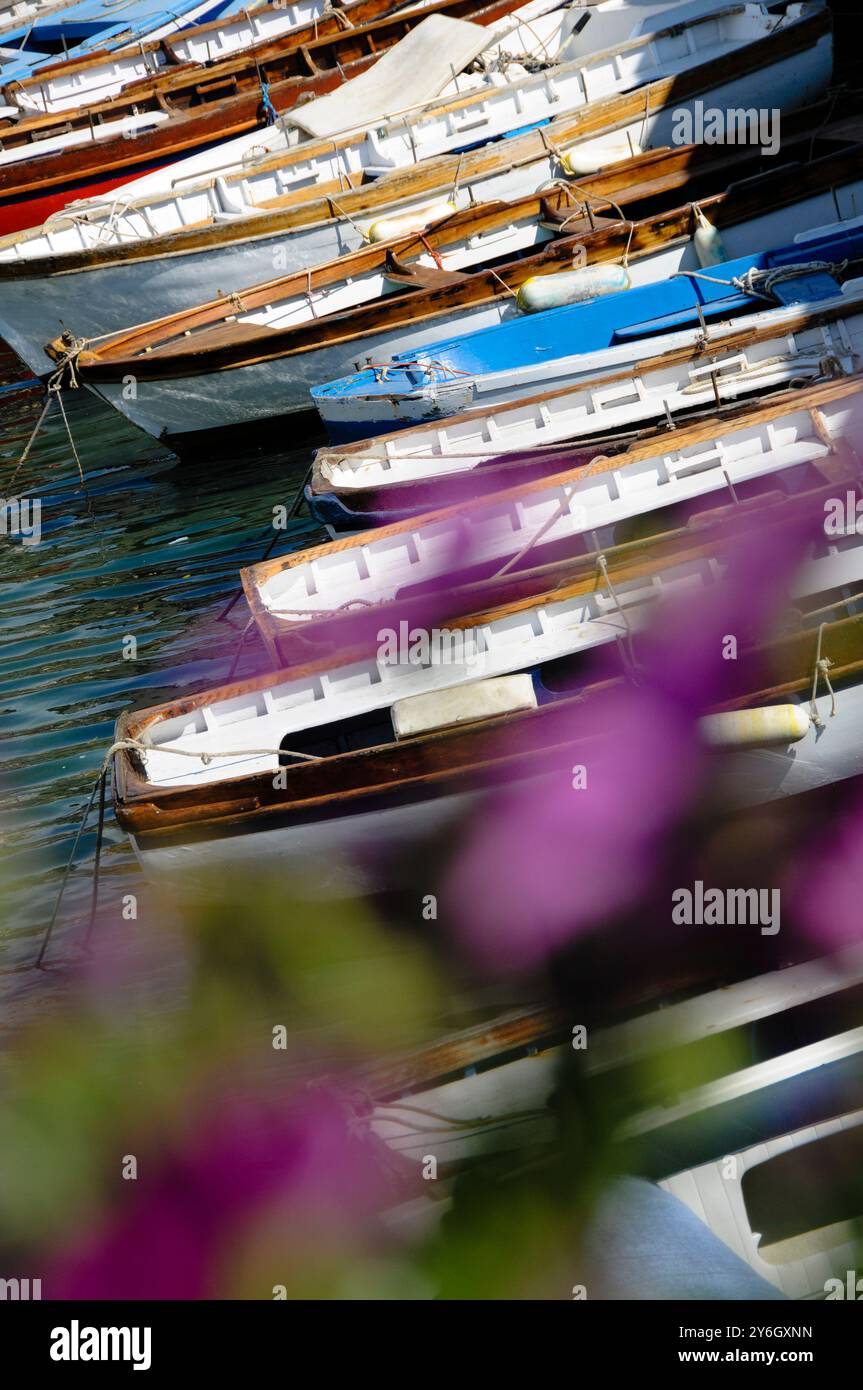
pixel 442 762
pixel 157 352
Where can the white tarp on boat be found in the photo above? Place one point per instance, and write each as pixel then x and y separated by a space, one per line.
pixel 414 71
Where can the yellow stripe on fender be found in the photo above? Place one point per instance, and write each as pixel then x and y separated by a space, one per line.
pixel 745 728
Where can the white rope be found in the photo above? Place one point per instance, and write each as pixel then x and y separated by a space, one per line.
pixel 822 668
pixel 754 278
pixel 128 745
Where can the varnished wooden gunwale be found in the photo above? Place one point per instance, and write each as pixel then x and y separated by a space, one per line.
pixel 437 175
pixel 443 1059
pixel 302 67
pixel 162 351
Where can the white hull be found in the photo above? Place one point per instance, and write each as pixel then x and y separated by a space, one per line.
pixel 597 502
pixel 326 859
pixel 356 416
pixel 821 758
pixel 266 390
pixel 459 445
pixel 269 389
pixel 111 295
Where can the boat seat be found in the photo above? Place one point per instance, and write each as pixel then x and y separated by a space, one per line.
pixel 462 704
pixel 683 318
pixel 219 335
pixel 818 286
pixel 421 277
pixel 807 1187
pixel 218 87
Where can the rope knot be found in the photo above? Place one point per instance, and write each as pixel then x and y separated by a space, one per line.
pixel 821 671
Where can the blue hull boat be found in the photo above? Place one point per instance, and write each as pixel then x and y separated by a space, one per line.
pixel 91 25
pixel 570 343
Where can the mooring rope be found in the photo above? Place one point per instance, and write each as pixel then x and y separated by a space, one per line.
pixel 291 513
pixel 54 391
pixel 754 278
pixel 31 441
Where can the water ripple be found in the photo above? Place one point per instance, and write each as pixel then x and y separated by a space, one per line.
pixel 149 548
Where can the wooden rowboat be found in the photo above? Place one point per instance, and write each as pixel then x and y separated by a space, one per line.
pixel 488 1088
pixel 75 82
pixel 392 477
pixel 361 787
pixel 80 81
pixel 611 332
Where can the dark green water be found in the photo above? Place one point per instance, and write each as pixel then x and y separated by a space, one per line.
pixel 150 548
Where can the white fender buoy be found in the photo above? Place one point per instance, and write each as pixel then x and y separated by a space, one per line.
pixel 744 728
pixel 709 246
pixel 571 287
pixel 593 155
pixel 390 228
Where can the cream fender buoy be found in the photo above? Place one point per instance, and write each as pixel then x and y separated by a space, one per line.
pixel 389 228
pixel 744 728
pixel 594 155
pixel 709 246
pixel 571 287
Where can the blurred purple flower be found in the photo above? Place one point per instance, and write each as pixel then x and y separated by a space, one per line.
pixel 827 887
pixel 546 860
pixel 189 1206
